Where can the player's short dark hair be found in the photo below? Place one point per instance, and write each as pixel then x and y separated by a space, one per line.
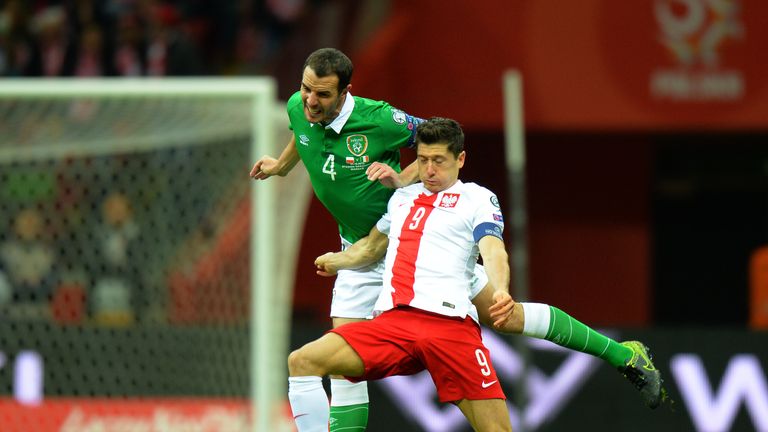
pixel 443 131
pixel 328 61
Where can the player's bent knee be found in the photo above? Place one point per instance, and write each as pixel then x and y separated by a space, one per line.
pixel 302 364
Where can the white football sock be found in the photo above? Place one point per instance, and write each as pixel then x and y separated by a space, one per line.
pixel 309 403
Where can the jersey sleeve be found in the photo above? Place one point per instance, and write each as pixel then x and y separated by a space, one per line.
pixel 385 222
pixel 487 219
pixel 398 123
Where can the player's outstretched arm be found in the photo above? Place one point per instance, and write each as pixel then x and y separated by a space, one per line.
pixel 268 166
pixel 494 303
pixel 363 252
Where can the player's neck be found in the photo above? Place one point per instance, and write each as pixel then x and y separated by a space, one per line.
pixel 336 112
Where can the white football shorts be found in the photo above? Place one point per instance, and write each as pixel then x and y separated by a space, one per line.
pixel 355 291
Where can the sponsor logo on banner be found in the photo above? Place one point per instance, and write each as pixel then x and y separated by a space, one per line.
pixel 684 61
pixel 713 408
pixel 696 35
pixel 714 397
pixel 137 415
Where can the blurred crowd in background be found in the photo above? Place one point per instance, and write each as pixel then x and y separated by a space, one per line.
pixel 126 238
pixel 74 252
pixel 88 38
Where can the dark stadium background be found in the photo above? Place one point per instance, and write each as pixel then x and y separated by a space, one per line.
pixel 647 175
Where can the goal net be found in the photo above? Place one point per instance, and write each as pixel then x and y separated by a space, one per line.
pixel 143 281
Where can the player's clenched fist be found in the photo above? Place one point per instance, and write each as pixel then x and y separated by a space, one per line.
pixel 501 310
pixel 325 264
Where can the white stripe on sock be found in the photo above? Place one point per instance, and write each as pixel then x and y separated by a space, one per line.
pixel 536 319
pixel 345 392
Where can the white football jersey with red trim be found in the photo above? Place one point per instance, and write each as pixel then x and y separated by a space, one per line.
pixel 433 246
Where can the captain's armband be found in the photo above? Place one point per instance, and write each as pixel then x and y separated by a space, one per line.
pixel 487 228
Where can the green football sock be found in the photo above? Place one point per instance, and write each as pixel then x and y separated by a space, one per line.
pixel 566 331
pixel 349 418
pixel 349 406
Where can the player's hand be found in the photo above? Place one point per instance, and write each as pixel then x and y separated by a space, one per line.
pixel 265 168
pixel 385 174
pixel 501 309
pixel 324 264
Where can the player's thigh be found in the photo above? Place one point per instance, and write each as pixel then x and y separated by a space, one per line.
pixel 386 345
pixel 486 415
pixel 330 354
pixel 457 360
pixel 338 322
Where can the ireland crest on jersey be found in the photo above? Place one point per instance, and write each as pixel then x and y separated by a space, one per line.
pixel 357 144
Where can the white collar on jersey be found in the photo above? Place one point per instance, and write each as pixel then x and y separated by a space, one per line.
pixel 338 123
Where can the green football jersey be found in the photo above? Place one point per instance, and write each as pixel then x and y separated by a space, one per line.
pixel 373 131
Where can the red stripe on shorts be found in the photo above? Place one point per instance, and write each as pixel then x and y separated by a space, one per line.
pixel 404 267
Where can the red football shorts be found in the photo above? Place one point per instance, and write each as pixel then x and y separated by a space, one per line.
pixel 405 341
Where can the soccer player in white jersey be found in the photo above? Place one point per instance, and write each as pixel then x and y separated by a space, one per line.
pixel 433 324
pixel 432 234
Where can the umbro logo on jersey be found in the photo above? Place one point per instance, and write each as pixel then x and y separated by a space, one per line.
pixel 304 140
pixel 488 384
pixel 449 200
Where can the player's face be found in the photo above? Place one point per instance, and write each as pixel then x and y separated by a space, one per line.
pixel 321 97
pixel 438 167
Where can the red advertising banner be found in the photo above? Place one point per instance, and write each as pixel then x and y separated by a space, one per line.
pixel 591 64
pixel 135 415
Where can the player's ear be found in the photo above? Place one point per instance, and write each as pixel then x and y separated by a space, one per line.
pixel 460 159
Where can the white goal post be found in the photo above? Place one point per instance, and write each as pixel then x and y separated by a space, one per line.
pixel 514 131
pixel 51 121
